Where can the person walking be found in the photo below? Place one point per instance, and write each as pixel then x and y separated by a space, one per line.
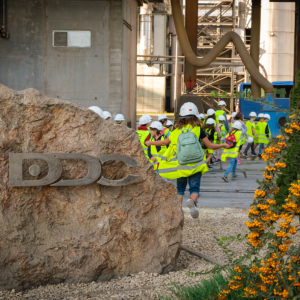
pixel 143 132
pixel 186 147
pixel 250 124
pixel 262 132
pixel 240 117
pixel 221 112
pixel 235 135
pixel 221 125
pixel 163 119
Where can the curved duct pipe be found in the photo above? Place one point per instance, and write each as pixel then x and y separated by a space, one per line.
pixel 217 49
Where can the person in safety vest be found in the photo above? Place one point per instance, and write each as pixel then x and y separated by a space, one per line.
pixel 106 115
pixel 221 125
pixel 163 119
pixel 155 153
pixel 221 112
pixel 211 113
pixel 235 135
pixel 190 172
pixel 119 119
pixel 143 132
pixel 210 130
pixel 262 132
pixel 240 117
pixel 250 124
pixel 97 110
pixel 170 125
pixel 231 121
pixel 201 117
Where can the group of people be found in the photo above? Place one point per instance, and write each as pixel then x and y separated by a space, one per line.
pixel 185 151
pixel 119 118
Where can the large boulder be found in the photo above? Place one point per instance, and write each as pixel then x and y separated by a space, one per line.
pixel 83 233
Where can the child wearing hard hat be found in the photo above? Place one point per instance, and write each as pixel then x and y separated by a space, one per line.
pixel 155 153
pixel 211 113
pixel 210 130
pixel 234 139
pixel 221 125
pixel 195 165
pixel 201 117
pixel 163 119
pixel 262 132
pixel 250 124
pixel 143 132
pixel 97 110
pixel 240 117
pixel 119 119
pixel 106 115
pixel 232 119
pixel 221 112
pixel 170 125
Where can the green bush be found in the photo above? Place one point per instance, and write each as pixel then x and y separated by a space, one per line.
pixel 292 154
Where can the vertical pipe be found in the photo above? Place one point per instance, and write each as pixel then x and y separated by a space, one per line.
pixel 176 76
pixel 254 45
pixel 191 25
pixel 297 42
pixel 232 55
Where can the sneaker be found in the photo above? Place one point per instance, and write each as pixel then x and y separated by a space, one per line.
pixel 254 154
pixel 245 154
pixel 259 155
pixel 210 167
pixel 217 160
pixel 193 209
pixel 239 161
pixel 225 178
pixel 234 176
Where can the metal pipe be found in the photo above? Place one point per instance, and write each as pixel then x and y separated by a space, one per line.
pixel 232 55
pixel 222 43
pixel 254 44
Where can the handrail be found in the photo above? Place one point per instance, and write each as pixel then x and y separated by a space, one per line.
pixel 217 49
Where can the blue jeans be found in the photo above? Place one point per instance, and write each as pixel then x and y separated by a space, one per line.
pixel 260 148
pixel 194 184
pixel 232 165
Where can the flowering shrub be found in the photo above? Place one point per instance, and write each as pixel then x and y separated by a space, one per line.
pixel 277 275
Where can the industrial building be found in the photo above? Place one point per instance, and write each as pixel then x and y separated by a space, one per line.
pixel 124 55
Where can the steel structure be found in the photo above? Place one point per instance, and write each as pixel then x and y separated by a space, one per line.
pixel 214 20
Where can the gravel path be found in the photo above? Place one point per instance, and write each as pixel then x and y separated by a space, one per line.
pixel 198 234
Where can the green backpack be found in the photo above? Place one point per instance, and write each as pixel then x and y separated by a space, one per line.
pixel 189 149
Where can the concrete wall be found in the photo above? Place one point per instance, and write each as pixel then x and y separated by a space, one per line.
pixel 151 91
pixel 103 75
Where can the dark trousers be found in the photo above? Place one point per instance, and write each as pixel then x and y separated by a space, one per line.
pixel 252 148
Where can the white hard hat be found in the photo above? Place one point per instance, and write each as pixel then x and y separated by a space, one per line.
pixel 188 109
pixel 233 114
pixel 144 119
pixel 221 118
pixel 157 125
pixel 106 115
pixel 211 112
pixel 267 116
pixel 261 115
pixel 169 123
pixel 221 103
pixel 237 125
pixel 119 117
pixel 253 114
pixel 97 110
pixel 250 139
pixel 201 116
pixel 210 121
pixel 148 116
pixel 162 117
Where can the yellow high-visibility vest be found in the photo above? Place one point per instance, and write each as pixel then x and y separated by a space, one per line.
pixel 143 134
pixel 233 152
pixel 158 155
pixel 170 168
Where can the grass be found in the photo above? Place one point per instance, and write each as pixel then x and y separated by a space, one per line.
pixel 206 289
